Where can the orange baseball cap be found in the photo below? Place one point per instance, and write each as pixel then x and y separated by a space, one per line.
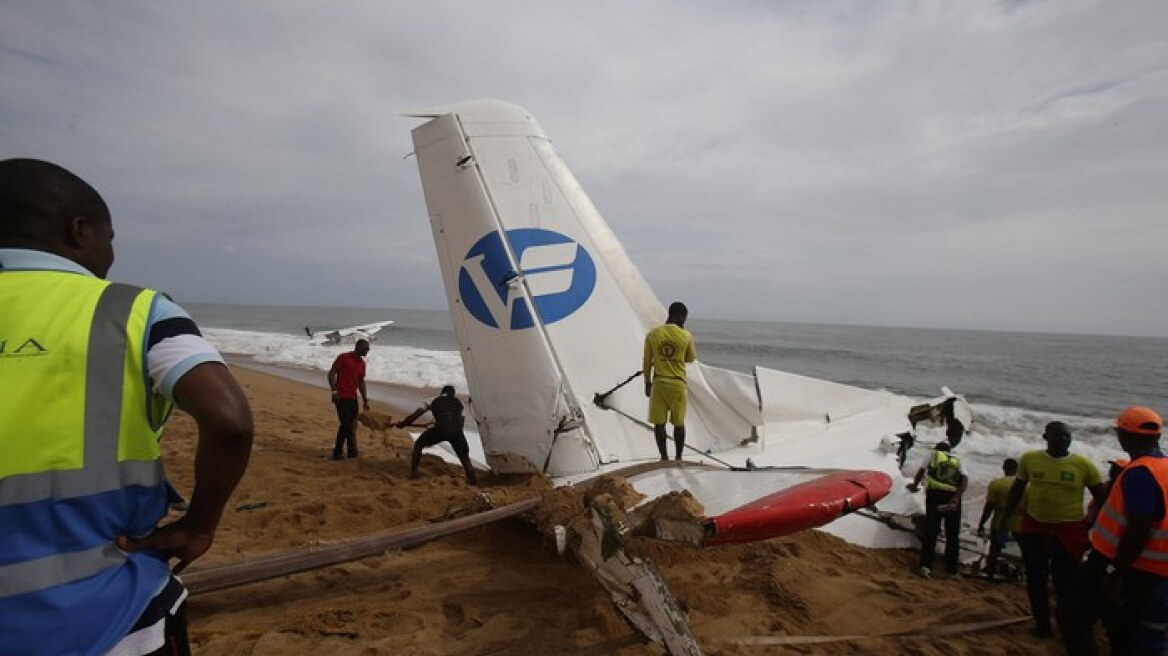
pixel 1139 420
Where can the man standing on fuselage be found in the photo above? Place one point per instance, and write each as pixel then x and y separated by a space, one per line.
pixel 346 378
pixel 668 348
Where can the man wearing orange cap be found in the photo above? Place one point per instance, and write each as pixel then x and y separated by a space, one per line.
pixel 1124 579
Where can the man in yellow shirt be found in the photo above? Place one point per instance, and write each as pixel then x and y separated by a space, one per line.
pixel 668 348
pixel 1053 535
pixel 1001 527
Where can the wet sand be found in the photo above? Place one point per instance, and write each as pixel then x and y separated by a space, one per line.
pixel 502 589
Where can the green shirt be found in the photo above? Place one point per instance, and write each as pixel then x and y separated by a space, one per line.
pixel 1054 486
pixel 667 348
pixel 997 494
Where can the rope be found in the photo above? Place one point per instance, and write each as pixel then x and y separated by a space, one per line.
pixel 647 425
pixel 883 518
pixel 598 399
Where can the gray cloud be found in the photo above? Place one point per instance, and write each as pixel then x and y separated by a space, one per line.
pixel 949 164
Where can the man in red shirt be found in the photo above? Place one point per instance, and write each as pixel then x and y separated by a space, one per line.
pixel 346 378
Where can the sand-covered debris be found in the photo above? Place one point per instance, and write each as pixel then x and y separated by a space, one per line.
pixel 679 505
pixel 558 507
pixel 376 420
pixel 672 516
pixel 563 504
pixel 623 494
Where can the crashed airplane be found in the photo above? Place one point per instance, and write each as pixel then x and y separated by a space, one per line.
pixel 550 315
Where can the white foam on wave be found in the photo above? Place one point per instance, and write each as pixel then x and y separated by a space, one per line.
pixel 400 365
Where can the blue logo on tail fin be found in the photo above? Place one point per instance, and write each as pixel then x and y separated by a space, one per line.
pixel 559 272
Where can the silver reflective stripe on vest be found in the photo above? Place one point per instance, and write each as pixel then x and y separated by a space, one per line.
pixel 101 471
pixel 104 374
pixel 72 483
pixel 1160 534
pixel 47 572
pixel 1105 534
pixel 1113 539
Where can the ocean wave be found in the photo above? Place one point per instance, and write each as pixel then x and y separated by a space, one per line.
pixel 401 365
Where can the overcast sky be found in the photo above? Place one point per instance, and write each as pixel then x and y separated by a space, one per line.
pixel 962 164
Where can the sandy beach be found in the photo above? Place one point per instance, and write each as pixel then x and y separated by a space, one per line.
pixel 502 588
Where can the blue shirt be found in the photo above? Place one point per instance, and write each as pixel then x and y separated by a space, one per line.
pixel 1141 493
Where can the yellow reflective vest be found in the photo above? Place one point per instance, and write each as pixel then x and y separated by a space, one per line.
pixel 79 460
pixel 944 472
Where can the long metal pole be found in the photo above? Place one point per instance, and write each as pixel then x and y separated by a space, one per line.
pixel 229 576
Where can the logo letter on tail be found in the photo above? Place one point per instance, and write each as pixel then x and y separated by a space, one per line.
pixel 559 272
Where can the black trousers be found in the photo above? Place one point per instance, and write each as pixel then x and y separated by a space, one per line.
pixel 934 520
pixel 347 432
pixel 1043 558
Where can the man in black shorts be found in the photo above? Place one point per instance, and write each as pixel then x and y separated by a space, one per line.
pixel 447 427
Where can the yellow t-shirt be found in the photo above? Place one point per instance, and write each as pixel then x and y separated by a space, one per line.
pixel 997 495
pixel 667 348
pixel 1054 486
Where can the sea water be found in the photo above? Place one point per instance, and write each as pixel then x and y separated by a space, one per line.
pixel 1015 382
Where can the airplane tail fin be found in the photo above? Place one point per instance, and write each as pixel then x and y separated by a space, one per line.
pixel 547 306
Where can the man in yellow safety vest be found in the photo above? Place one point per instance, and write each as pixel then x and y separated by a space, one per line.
pixel 89 370
pixel 944 485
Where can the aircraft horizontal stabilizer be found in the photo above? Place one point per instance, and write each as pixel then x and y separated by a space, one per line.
pixel 798 508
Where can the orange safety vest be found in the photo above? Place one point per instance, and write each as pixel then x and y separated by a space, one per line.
pixel 1112 521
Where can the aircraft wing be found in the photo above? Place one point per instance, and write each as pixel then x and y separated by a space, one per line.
pixel 734 512
pixel 349 334
pixel 368 328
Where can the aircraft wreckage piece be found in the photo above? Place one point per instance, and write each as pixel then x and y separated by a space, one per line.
pixel 303 560
pixel 635 585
